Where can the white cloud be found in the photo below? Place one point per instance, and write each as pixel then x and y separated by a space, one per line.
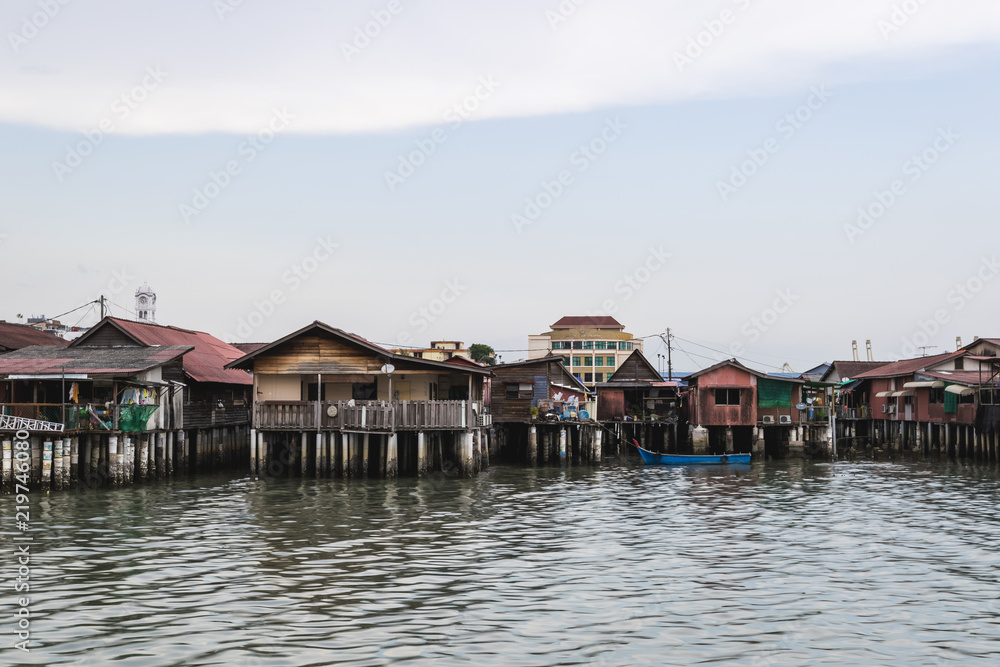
pixel 228 75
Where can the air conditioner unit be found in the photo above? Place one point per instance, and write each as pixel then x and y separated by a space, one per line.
pixel 892 409
pixel 785 419
pixel 885 409
pixel 767 419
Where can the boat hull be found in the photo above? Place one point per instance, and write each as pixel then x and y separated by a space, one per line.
pixel 652 458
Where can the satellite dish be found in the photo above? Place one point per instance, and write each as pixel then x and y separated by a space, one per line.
pixel 388 369
pixel 331 411
pixel 801 406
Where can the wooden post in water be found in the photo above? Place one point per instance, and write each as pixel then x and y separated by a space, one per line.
pixel 562 445
pixel 532 453
pixel 94 458
pixel 168 469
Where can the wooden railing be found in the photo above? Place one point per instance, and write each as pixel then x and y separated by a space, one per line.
pixel 862 412
pixel 74 416
pixel 366 415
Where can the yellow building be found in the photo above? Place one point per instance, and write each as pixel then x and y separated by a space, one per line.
pixel 592 348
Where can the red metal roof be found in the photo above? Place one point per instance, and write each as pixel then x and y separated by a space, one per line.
pixel 206 363
pixel 50 360
pixel 906 366
pixel 15 336
pixel 971 378
pixel 588 322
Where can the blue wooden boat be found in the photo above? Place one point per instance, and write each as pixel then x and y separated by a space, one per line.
pixel 649 457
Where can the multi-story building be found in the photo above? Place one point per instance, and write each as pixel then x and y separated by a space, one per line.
pixel 592 348
pixel 440 350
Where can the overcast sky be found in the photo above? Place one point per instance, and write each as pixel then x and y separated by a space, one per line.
pixel 468 170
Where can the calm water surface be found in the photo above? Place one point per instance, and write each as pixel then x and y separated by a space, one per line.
pixel 775 564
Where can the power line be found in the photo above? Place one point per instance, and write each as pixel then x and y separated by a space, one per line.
pixel 728 354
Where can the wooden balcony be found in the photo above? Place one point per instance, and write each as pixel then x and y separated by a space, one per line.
pixel 83 416
pixel 367 416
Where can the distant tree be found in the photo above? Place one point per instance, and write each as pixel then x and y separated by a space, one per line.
pixel 483 353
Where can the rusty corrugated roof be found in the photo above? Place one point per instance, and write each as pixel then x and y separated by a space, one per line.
pixel 47 359
pixel 905 366
pixel 205 363
pixel 15 336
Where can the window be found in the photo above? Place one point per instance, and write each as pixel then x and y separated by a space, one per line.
pixel 588 361
pixel 588 345
pixel 989 396
pixel 577 345
pixel 601 345
pixel 937 395
pixel 727 396
pixel 557 345
pixel 598 361
pixel 966 399
pixel 311 393
pixel 588 377
pixel 363 391
pixel 577 361
pixel 598 377
pixel 518 390
pixel 576 375
pixel 960 364
pixel 907 400
pixel 611 362
pixel 567 361
pixel 625 345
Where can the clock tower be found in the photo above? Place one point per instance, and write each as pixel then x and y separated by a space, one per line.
pixel 145 304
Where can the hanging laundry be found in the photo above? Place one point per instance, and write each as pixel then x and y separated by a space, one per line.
pixel 74 393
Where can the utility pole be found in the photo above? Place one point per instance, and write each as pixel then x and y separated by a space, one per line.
pixel 670 363
pixel 102 307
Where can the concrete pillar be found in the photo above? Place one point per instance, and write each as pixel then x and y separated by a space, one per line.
pixel 261 455
pixel 253 452
pixel 161 455
pixel 94 457
pixel 563 441
pixel 7 477
pixel 170 453
pixel 532 453
pixel 365 441
pixel 36 459
pixel 304 454
pixel 699 439
pixel 421 454
pixel 46 465
pixel 466 460
pixel 485 448
pixel 391 456
pixel 144 458
pixel 74 462
pixel 114 470
pixel 758 443
pixel 57 464
pixel 729 439
pixel 598 444
pixel 128 455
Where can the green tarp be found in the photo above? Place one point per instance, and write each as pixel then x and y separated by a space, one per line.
pixel 773 394
pixel 135 417
pixel 950 401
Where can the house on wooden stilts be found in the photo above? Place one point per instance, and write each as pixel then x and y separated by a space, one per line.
pixel 330 403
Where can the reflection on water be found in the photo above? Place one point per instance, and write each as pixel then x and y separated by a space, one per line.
pixel 769 564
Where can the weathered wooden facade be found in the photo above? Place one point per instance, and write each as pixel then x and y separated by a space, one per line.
pixel 637 403
pixel 542 413
pixel 328 402
pixel 92 415
pixel 732 408
pixel 947 404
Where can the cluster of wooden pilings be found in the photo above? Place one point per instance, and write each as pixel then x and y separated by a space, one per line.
pixel 368 455
pixel 550 443
pixel 92 460
pixel 883 437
